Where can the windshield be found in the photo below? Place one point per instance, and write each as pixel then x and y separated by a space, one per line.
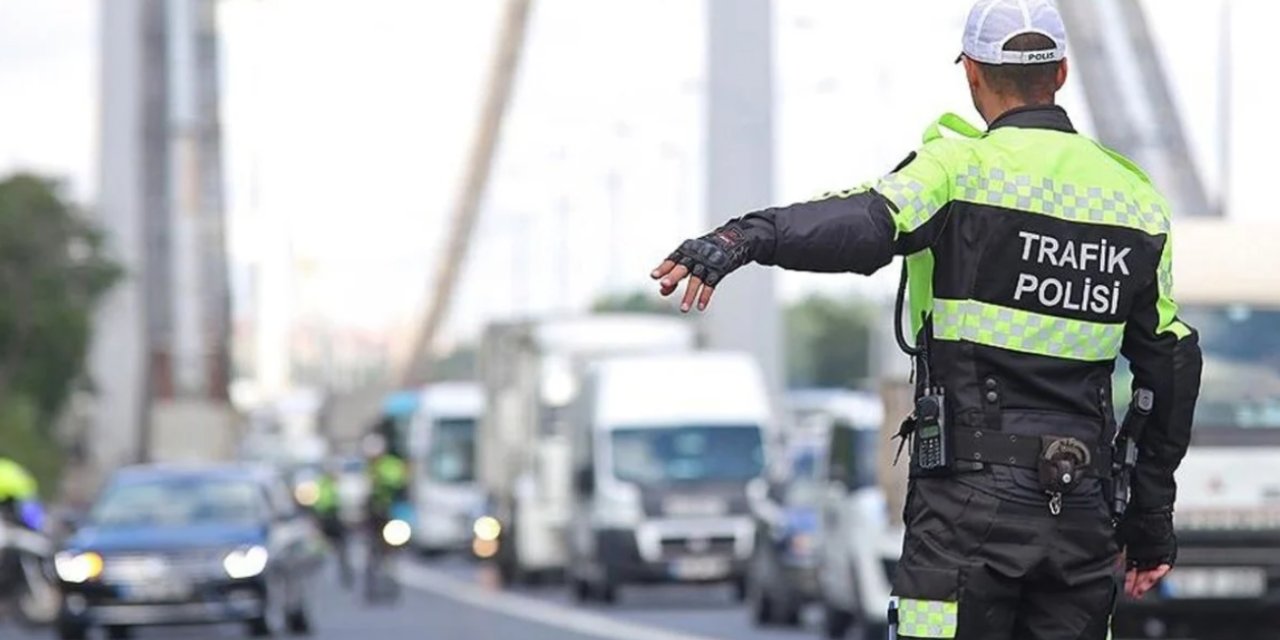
pixel 452 455
pixel 1240 385
pixel 804 487
pixel 853 455
pixel 180 502
pixel 400 424
pixel 662 455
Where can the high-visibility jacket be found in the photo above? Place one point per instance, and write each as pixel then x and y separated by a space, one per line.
pixel 1036 257
pixel 16 484
pixel 326 504
pixel 389 476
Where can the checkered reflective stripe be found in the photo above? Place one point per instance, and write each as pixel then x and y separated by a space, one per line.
pixel 927 618
pixel 915 204
pixel 1063 200
pixel 1017 330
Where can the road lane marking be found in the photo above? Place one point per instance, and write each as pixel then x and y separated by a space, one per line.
pixel 541 611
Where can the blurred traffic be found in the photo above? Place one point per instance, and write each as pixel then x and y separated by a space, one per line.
pixel 227 409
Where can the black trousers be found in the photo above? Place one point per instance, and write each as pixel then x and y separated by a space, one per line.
pixel 984 559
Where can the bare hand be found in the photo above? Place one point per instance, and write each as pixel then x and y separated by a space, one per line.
pixel 1137 582
pixel 670 274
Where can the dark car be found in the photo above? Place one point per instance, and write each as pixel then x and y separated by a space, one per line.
pixel 165 545
pixel 783 573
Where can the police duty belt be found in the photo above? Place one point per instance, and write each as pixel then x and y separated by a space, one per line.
pixel 984 446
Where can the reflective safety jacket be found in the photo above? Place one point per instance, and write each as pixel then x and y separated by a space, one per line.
pixel 1036 257
pixel 326 505
pixel 16 484
pixel 389 479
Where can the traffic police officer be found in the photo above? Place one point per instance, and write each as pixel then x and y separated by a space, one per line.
pixel 19 495
pixel 328 511
pixel 388 477
pixel 1035 257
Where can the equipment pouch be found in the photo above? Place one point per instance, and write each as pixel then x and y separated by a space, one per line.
pixel 1062 462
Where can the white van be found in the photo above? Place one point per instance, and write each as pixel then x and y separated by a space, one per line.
pixel 442 444
pixel 661 470
pixel 531 371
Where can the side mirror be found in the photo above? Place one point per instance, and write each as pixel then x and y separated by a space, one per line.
pixel 762 505
pixel 584 481
pixel 757 491
pixel 837 475
pixel 70 521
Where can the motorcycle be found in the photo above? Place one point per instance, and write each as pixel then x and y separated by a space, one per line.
pixel 26 585
pixel 386 540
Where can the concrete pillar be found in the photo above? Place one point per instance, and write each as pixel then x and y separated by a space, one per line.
pixel 744 314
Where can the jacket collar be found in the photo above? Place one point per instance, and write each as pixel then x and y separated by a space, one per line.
pixel 1045 116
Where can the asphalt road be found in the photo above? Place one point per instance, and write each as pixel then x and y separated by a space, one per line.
pixel 450 600
pixel 456 600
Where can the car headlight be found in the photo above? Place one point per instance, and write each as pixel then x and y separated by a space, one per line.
pixel 77 568
pixel 487 528
pixel 307 493
pixel 246 562
pixel 618 506
pixel 801 545
pixel 397 533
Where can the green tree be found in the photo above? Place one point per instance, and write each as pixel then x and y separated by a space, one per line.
pixel 53 272
pixel 828 341
pixel 634 302
pixel 459 364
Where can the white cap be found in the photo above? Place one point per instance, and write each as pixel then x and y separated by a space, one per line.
pixel 992 23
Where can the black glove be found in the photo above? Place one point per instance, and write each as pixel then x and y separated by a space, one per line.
pixel 1148 539
pixel 715 255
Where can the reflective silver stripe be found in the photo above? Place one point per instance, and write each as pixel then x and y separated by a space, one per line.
pixel 1025 331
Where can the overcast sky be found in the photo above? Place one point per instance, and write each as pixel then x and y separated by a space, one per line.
pixel 347 120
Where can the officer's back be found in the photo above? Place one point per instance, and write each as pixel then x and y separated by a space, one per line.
pixel 1047 244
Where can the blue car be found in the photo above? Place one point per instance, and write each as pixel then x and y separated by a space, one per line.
pixel 782 576
pixel 168 545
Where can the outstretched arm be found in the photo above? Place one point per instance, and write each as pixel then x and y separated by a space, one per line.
pixel 856 231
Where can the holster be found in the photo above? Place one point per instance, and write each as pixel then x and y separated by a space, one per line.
pixel 1124 455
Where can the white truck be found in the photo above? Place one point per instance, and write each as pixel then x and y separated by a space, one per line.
pixel 1227 580
pixel 530 372
pixel 661 474
pixel 442 448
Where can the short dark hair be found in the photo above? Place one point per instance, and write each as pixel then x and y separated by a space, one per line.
pixel 1033 83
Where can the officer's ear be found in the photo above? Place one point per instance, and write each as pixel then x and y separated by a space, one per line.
pixel 1062 75
pixel 972 73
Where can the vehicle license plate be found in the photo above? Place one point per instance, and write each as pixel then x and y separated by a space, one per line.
pixel 700 568
pixel 1206 583
pixel 160 590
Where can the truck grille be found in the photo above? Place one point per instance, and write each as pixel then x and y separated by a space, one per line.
pixel 698 546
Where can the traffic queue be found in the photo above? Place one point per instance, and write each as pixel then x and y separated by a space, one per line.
pixel 555 469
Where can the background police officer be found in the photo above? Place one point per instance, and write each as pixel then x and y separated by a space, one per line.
pixel 19 495
pixel 1036 257
pixel 328 512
